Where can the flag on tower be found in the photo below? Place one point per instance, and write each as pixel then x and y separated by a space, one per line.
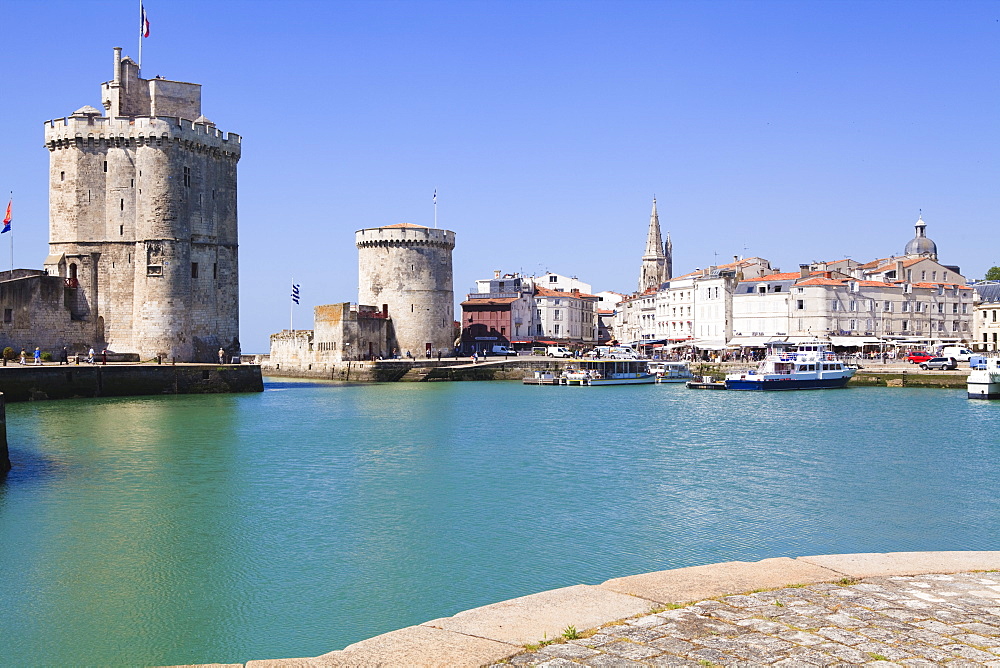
pixel 6 219
pixel 295 293
pixel 435 195
pixel 143 22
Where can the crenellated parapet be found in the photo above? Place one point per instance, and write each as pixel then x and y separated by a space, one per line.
pixel 125 132
pixel 404 236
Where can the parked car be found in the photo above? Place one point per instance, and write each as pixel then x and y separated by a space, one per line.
pixel 558 351
pixel 918 356
pixel 940 363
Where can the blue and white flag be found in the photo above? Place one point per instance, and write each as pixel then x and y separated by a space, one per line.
pixel 295 293
pixel 435 195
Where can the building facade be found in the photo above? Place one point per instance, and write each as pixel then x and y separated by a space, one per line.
pixel 986 316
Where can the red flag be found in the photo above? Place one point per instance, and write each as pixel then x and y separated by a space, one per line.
pixel 143 22
pixel 6 219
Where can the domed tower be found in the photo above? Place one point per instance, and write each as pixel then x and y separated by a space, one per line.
pixel 142 219
pixel 920 245
pixel 407 268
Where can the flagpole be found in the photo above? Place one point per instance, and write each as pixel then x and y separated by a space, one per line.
pixel 291 308
pixel 435 208
pixel 12 241
pixel 142 29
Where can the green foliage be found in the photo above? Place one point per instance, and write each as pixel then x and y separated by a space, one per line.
pixel 570 633
pixel 877 657
pixel 9 354
pixel 993 274
pixel 46 356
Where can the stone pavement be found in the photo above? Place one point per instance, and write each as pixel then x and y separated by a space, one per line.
pixel 895 608
pixel 920 620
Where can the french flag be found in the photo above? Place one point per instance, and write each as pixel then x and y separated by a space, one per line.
pixel 143 22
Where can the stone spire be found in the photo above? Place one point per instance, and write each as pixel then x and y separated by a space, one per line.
pixel 668 249
pixel 654 261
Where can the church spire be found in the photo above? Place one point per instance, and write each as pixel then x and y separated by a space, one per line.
pixel 653 271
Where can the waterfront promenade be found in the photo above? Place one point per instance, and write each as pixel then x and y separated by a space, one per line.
pixel 904 608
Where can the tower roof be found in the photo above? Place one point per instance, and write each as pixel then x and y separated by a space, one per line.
pixel 654 241
pixel 422 227
pixel 920 244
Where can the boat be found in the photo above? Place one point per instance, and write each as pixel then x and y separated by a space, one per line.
pixel 805 366
pixel 608 372
pixel 671 372
pixel 984 380
pixel 706 383
pixel 541 378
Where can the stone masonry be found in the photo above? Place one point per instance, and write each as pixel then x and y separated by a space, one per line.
pixel 142 218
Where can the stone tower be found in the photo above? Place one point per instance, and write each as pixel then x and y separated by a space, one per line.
pixel 920 245
pixel 142 219
pixel 408 269
pixel 656 260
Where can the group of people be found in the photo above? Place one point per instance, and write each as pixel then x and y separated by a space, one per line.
pixel 63 356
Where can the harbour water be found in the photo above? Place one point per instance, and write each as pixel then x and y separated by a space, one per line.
pixel 224 528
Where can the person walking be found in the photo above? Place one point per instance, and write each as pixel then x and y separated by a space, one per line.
pixel 90 355
pixel 64 357
pixel 24 356
pixel 38 356
pixel 222 356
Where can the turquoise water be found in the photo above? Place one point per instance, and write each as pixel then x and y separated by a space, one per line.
pixel 169 530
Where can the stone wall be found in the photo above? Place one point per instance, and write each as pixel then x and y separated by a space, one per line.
pixel 42 313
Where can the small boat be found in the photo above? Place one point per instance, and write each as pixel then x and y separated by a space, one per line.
pixel 984 383
pixel 608 372
pixel 671 372
pixel 804 366
pixel 706 383
pixel 541 378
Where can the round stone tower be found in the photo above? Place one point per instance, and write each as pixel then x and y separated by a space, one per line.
pixel 407 269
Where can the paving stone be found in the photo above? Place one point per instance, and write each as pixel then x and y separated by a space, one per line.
pixel 979 627
pixel 611 661
pixel 673 645
pixel 631 650
pixel 557 663
pixel 841 636
pixel 567 651
pixel 843 652
pixel 801 637
pixel 970 653
pixel 977 640
pixel 528 659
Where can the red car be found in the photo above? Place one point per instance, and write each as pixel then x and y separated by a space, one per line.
pixel 918 357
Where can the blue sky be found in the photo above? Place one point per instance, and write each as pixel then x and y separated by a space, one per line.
pixel 797 131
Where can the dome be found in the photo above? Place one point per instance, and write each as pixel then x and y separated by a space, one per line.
pixel 86 111
pixel 920 244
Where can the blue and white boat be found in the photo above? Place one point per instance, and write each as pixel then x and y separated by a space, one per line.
pixel 984 380
pixel 804 366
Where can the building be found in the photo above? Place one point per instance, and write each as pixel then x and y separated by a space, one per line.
pixel 986 316
pixel 499 313
pixel 657 259
pixel 143 254
pixel 566 317
pixel 405 305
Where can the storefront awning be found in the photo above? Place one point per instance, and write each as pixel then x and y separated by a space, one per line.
pixel 749 341
pixel 855 341
pixel 709 345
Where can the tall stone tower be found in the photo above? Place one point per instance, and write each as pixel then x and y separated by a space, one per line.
pixel 142 218
pixel 656 260
pixel 408 269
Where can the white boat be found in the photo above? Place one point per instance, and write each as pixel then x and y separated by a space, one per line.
pixel 671 372
pixel 608 372
pixel 804 366
pixel 985 383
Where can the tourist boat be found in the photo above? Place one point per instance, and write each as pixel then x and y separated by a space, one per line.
pixel 608 372
pixel 984 383
pixel 804 366
pixel 671 372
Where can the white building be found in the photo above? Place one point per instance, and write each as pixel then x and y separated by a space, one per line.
pixel 986 316
pixel 565 316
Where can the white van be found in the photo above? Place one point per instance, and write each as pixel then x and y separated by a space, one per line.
pixel 558 351
pixel 959 353
pixel 502 350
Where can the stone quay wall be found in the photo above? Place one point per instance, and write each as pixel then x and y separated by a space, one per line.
pixel 85 381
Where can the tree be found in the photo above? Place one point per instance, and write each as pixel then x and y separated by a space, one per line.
pixel 993 274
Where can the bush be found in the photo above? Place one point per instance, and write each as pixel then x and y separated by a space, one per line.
pixel 9 354
pixel 46 356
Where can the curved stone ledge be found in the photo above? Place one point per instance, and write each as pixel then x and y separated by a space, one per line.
pixel 495 632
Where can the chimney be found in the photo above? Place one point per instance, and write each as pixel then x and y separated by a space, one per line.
pixel 803 270
pixel 385 310
pixel 899 270
pixel 496 274
pixel 117 80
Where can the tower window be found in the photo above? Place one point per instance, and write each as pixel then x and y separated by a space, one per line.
pixel 187 177
pixel 215 270
pixel 105 165
pixel 194 270
pixel 62 176
pixel 8 315
pixel 123 205
pixel 133 183
pixel 121 230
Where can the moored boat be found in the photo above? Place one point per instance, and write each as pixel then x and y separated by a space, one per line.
pixel 803 366
pixel 984 383
pixel 609 372
pixel 671 372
